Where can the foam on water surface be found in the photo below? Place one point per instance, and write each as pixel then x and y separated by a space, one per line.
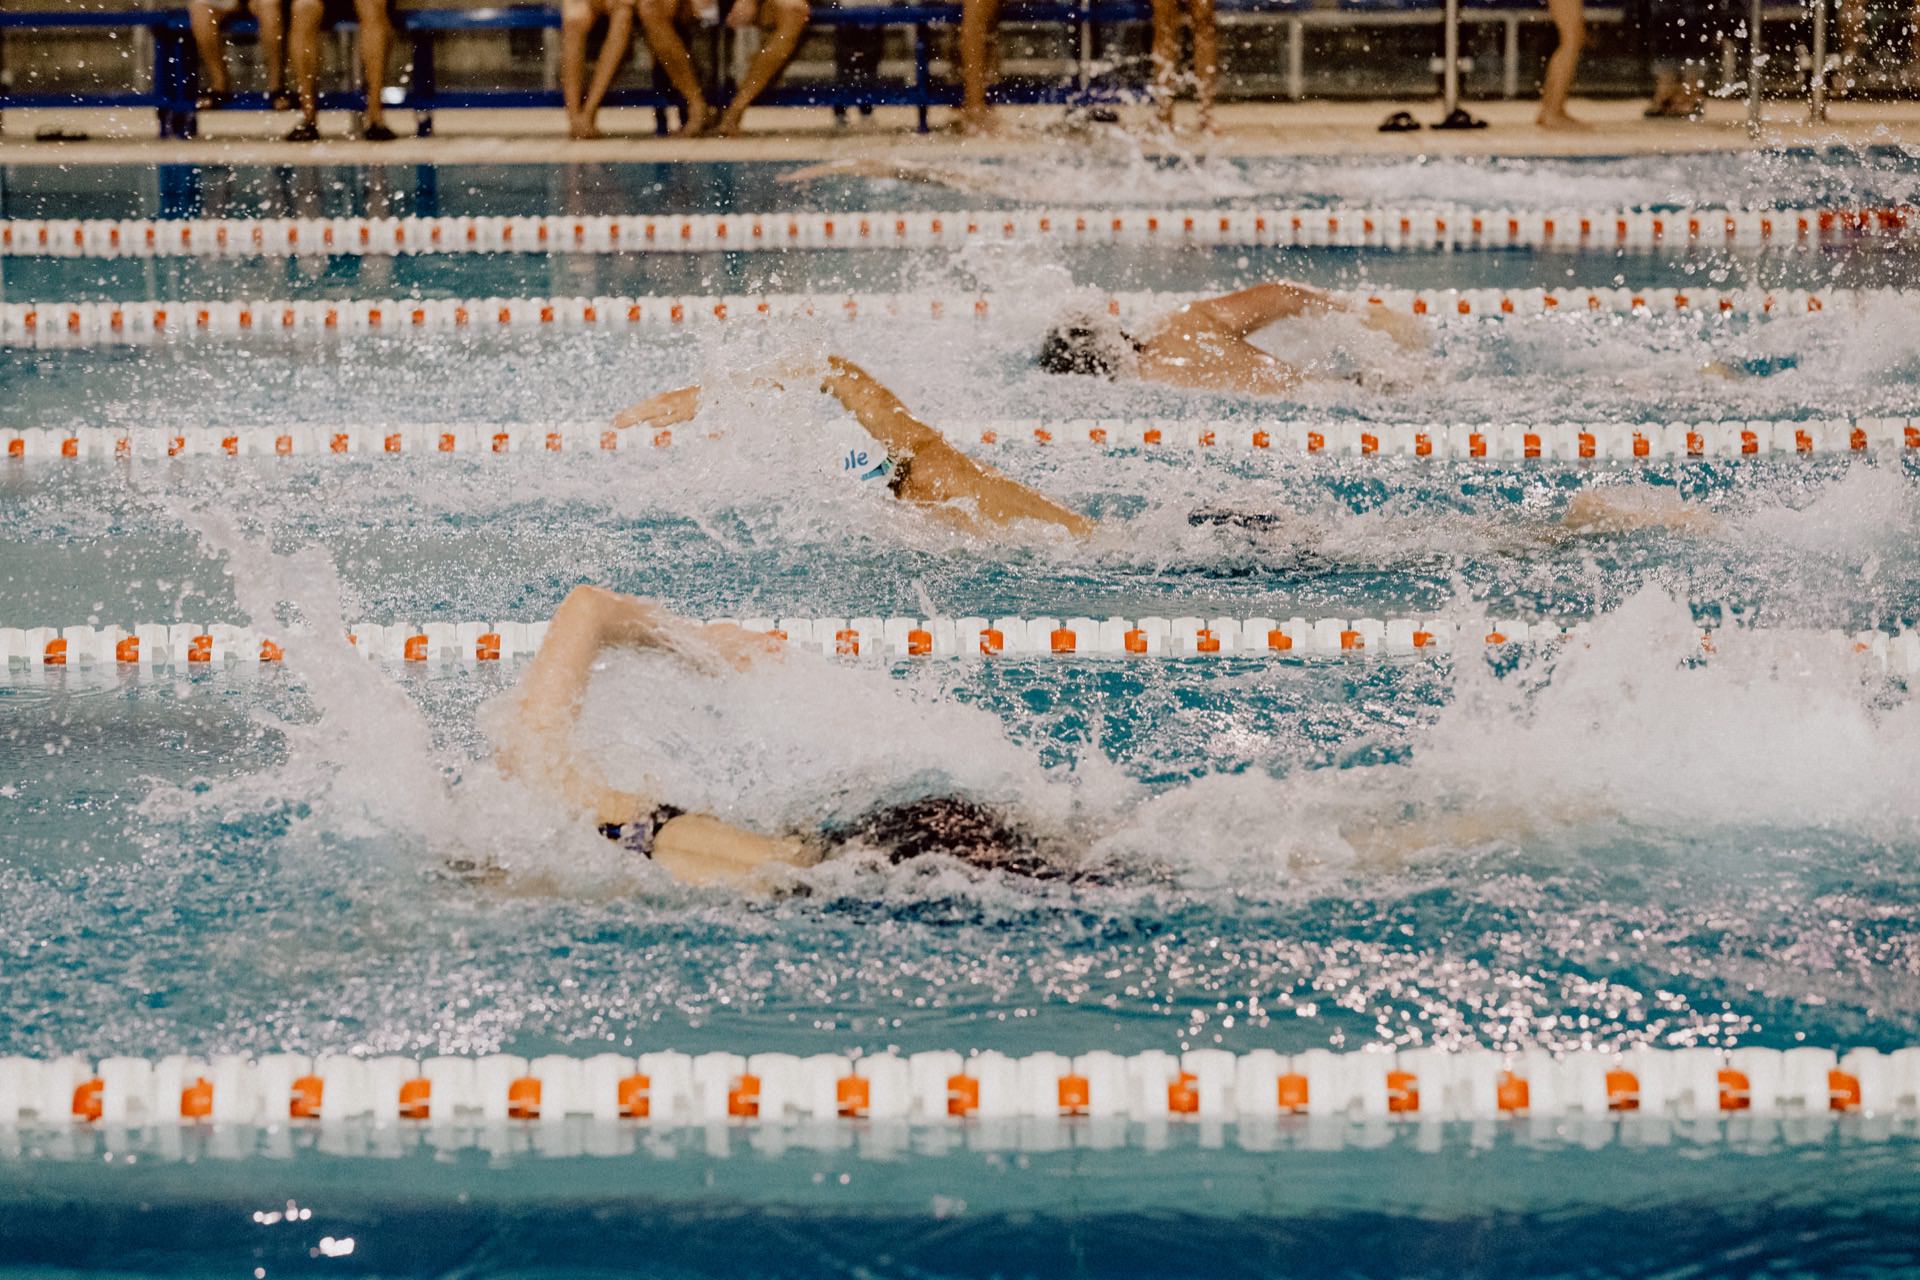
pixel 1620 841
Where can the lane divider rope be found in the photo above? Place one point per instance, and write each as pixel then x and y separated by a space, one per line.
pixel 945 1086
pixel 1592 230
pixel 442 645
pixel 88 324
pixel 1471 441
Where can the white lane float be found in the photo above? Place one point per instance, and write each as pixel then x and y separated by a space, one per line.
pixel 469 645
pixel 1406 228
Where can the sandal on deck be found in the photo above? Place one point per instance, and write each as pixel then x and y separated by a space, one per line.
pixel 1399 122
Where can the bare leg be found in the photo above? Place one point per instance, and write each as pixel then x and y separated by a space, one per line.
pixel 789 18
pixel 273 43
pixel 576 22
pixel 303 55
pixel 1570 20
pixel 1853 37
pixel 207 25
pixel 376 36
pixel 612 50
pixel 656 21
pixel 1206 58
pixel 977 19
pixel 1165 58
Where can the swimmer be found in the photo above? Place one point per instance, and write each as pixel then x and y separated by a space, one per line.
pixel 536 746
pixel 1203 346
pixel 922 468
pixel 919 466
pixel 981 180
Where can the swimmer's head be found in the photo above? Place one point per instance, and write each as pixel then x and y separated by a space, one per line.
pixel 950 826
pixel 1088 343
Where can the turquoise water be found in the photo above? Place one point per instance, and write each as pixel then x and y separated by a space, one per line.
pixel 1682 852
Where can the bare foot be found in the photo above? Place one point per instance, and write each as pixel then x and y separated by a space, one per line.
pixel 699 121
pixel 1561 122
pixel 978 124
pixel 729 126
pixel 584 131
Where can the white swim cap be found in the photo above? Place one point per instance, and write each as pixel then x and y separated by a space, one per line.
pixel 866 464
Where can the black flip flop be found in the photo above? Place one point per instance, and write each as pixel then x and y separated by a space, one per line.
pixel 1459 119
pixel 212 100
pixel 1399 122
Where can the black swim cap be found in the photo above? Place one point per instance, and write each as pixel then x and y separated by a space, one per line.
pixel 951 826
pixel 1075 346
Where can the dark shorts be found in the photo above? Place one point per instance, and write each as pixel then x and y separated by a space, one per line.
pixel 335 12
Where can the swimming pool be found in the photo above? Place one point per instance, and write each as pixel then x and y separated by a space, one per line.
pixel 1696 850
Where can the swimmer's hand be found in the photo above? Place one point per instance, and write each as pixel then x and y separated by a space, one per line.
pixel 1410 332
pixel 740 648
pixel 667 409
pixel 825 169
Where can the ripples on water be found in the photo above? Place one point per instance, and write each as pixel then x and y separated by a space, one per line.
pixel 1665 851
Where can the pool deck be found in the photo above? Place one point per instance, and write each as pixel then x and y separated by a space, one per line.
pixel 1248 129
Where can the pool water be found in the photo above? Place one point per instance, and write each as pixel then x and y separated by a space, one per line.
pixel 1674 851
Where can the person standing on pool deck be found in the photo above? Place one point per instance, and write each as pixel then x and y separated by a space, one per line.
pixel 1203 346
pixel 1570 20
pixel 782 23
pixel 576 23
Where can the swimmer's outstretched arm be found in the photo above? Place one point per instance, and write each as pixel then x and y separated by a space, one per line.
pixel 669 408
pixel 936 472
pixel 894 170
pixel 537 744
pixel 1602 511
pixel 1248 311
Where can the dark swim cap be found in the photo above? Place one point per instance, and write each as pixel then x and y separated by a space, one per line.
pixel 952 826
pixel 1083 346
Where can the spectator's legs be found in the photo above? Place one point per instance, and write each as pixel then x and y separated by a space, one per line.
pixel 1570 20
pixel 977 19
pixel 303 60
pixel 576 23
pixel 1206 58
pixel 785 21
pixel 271 15
pixel 670 52
pixel 1165 59
pixel 1853 40
pixel 207 22
pixel 1678 38
pixel 376 38
pixel 583 113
